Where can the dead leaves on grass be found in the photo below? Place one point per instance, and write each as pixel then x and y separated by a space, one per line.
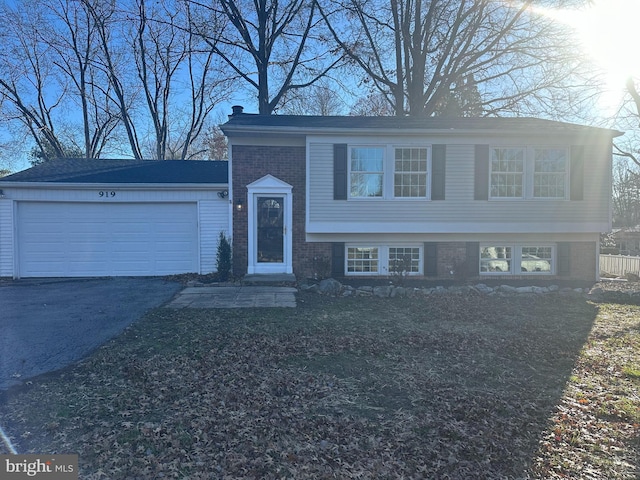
pixel 455 387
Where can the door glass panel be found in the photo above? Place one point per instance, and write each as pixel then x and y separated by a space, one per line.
pixel 270 213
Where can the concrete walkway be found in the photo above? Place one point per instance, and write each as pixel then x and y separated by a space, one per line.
pixel 234 297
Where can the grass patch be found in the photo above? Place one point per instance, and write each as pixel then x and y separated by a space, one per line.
pixel 447 386
pixel 631 372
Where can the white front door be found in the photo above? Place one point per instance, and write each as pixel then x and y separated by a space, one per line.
pixel 270 217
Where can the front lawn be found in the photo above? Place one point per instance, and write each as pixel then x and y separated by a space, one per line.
pixel 447 386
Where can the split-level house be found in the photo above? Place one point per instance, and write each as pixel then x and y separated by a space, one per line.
pixel 463 198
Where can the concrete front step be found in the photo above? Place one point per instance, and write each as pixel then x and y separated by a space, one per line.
pixel 280 279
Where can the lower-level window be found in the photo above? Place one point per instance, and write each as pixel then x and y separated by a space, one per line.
pixel 384 260
pixel 517 259
pixel 404 259
pixel 362 260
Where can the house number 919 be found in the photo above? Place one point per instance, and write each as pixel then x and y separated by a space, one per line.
pixel 104 194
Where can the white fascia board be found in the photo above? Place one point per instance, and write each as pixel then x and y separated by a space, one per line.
pixel 133 186
pixel 461 227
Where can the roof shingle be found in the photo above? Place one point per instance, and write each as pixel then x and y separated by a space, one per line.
pixel 80 170
pixel 244 121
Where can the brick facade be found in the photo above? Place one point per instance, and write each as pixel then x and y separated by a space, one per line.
pixel 452 260
pixel 583 260
pixel 286 163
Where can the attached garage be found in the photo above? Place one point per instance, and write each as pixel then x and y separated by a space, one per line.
pixel 98 226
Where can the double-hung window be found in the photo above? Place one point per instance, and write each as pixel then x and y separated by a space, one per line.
pixel 389 171
pixel 504 259
pixel 529 172
pixel 507 172
pixel 366 172
pixel 549 174
pixel 410 172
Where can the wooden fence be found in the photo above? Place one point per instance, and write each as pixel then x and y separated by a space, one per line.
pixel 619 264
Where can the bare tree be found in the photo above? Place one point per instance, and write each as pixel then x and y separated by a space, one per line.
pixel 72 36
pixel 112 61
pixel 174 71
pixel 78 74
pixel 374 104
pixel 216 143
pixel 31 92
pixel 418 53
pixel 317 99
pixel 626 194
pixel 273 46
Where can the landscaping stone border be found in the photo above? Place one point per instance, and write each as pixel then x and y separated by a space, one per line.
pixel 598 293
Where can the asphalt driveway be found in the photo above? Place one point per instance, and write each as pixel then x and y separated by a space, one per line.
pixel 48 324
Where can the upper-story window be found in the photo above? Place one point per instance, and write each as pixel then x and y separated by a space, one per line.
pixel 388 172
pixel 507 172
pixel 366 171
pixel 521 172
pixel 549 174
pixel 410 172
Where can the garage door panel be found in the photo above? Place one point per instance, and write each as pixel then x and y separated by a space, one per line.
pixel 85 239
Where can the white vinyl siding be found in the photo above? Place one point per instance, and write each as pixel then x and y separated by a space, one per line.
pixel 459 212
pixel 6 238
pixel 213 216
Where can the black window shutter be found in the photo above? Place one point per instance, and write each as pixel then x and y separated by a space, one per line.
pixel 577 173
pixel 481 187
pixel 337 259
pixel 431 259
pixel 564 259
pixel 438 171
pixel 340 171
pixel 473 259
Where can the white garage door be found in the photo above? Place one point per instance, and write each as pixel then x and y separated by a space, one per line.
pixel 106 239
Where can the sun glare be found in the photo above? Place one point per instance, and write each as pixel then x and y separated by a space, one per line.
pixel 607 33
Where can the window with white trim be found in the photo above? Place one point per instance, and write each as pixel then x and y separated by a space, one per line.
pixel 389 171
pixel 529 172
pixel 362 260
pixel 366 167
pixel 384 259
pixel 549 173
pixel 507 172
pixel 522 259
pixel 410 172
pixel 404 260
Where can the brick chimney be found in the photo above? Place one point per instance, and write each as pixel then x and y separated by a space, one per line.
pixel 237 110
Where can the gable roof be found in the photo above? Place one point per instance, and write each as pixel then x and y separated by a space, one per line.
pixel 81 170
pixel 244 123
